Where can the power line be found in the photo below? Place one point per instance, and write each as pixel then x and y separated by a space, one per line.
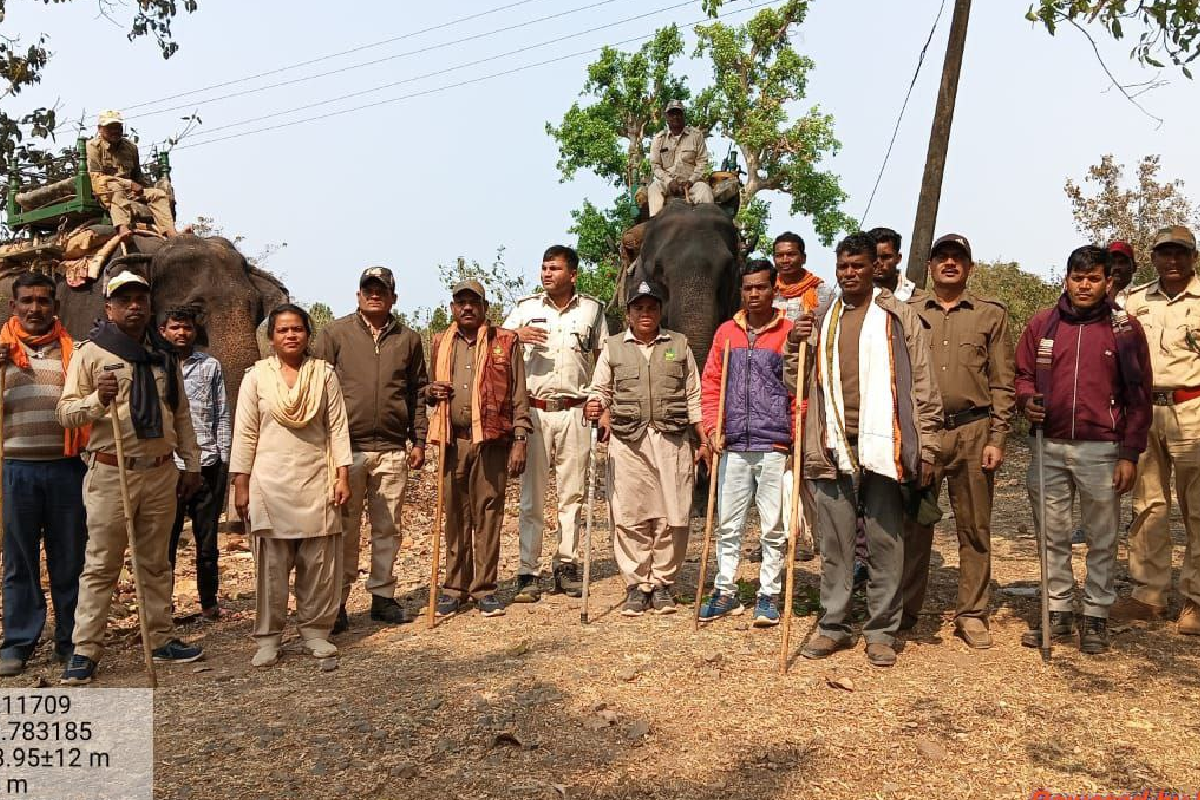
pixel 329 56
pixel 446 87
pixel 444 70
pixel 351 67
pixel 896 130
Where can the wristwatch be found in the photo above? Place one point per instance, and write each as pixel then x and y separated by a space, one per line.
pixel 520 437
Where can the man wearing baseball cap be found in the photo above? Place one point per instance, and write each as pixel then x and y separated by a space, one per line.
pixel 651 456
pixel 1124 267
pixel 1169 310
pixel 679 158
pixel 117 180
pixel 127 368
pixel 381 367
pixel 482 415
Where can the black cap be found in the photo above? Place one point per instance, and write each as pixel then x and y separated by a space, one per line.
pixel 645 289
pixel 381 274
pixel 955 239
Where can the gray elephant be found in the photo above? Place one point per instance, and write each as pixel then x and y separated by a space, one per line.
pixel 692 252
pixel 207 273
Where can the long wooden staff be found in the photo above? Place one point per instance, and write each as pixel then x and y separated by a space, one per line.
pixel 718 431
pixel 147 652
pixel 444 413
pixel 797 521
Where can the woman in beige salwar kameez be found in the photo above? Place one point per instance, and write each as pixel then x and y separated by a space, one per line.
pixel 290 462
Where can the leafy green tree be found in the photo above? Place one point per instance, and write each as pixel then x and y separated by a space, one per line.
pixel 1167 30
pixel 598 240
pixel 22 65
pixel 1023 292
pixel 321 315
pixel 502 286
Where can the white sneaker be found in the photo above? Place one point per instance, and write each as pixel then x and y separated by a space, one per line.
pixel 320 648
pixel 266 656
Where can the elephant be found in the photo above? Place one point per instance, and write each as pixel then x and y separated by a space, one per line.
pixel 207 273
pixel 692 252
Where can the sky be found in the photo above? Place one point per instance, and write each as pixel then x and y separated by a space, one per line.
pixel 463 170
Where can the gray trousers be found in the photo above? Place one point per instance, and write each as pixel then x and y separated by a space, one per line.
pixel 883 517
pixel 1086 469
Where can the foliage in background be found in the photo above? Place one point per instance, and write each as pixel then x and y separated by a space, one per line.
pixel 22 65
pixel 209 226
pixel 320 314
pixel 503 287
pixel 1105 208
pixel 1167 30
pixel 598 240
pixel 1024 293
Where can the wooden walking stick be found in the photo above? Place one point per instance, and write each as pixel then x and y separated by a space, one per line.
pixel 431 614
pixel 712 491
pixel 147 653
pixel 587 530
pixel 796 522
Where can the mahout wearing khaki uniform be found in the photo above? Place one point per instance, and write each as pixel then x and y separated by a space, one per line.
pixel 115 168
pixel 678 154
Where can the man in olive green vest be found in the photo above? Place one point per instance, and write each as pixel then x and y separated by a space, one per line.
pixel 651 457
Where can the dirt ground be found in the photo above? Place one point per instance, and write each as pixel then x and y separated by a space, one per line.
pixel 535 705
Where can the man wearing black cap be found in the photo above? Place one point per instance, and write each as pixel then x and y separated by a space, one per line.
pixel 381 367
pixel 679 158
pixel 972 358
pixel 651 457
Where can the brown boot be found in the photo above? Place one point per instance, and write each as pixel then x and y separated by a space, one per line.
pixel 974 632
pixel 1189 619
pixel 1128 609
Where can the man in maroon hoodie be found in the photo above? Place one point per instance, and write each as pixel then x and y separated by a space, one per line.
pixel 1082 372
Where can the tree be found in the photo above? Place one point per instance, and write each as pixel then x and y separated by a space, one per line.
pixel 503 288
pixel 22 66
pixel 1022 292
pixel 209 226
pixel 598 240
pixel 1105 209
pixel 321 315
pixel 756 75
pixel 1168 29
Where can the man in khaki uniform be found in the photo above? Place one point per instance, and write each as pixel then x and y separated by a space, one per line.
pixel 1169 311
pixel 561 331
pixel 117 181
pixel 679 158
pixel 128 366
pixel 972 357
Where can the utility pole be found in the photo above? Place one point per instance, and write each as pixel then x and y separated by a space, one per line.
pixel 939 143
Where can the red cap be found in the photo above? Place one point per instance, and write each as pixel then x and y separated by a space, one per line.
pixel 1121 247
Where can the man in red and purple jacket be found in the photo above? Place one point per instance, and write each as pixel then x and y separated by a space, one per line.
pixel 1083 372
pixel 755 439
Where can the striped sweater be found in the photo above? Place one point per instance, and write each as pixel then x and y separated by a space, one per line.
pixel 31 430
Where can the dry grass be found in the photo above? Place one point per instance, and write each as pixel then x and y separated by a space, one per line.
pixel 534 705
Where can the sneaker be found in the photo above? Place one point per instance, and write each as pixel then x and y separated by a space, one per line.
pixel 721 604
pixel 177 652
pixel 661 600
pixel 635 602
pixel 862 574
pixel 881 655
pixel 342 623
pixel 567 580
pixel 822 646
pixel 448 606
pixel 1129 609
pixel 79 671
pixel 1093 635
pixel 528 590
pixel 766 612
pixel 1189 619
pixel 490 606
pixel 388 611
pixel 1062 626
pixel 320 648
pixel 1078 536
pixel 11 665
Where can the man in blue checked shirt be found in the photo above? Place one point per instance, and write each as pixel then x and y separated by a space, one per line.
pixel 204 383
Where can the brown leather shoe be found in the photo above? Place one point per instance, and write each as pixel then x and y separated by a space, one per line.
pixel 1128 609
pixel 974 632
pixel 822 646
pixel 881 655
pixel 1189 619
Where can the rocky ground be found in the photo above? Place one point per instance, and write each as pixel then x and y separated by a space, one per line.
pixel 536 705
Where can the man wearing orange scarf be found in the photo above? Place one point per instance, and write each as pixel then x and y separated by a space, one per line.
pixel 797 291
pixel 43 476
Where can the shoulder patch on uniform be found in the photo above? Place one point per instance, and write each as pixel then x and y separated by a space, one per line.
pixel 1142 286
pixel 534 296
pixel 992 301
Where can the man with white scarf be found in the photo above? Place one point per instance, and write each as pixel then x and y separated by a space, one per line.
pixel 871 427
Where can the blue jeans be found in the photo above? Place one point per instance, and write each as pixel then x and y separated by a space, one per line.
pixel 42 500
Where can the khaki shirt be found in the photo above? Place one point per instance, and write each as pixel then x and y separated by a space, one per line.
pixel 602 380
pixel 80 405
pixel 462 379
pixel 120 160
pixel 1169 323
pixel 972 356
pixel 562 366
pixel 683 157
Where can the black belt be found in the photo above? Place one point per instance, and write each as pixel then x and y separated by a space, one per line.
pixel 960 418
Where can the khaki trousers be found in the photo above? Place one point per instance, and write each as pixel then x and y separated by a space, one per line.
pixel 315 559
pixel 559 439
pixel 656 195
pixel 152 502
pixel 1173 446
pixel 158 201
pixel 971 491
pixel 649 553
pixel 475 480
pixel 377 482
